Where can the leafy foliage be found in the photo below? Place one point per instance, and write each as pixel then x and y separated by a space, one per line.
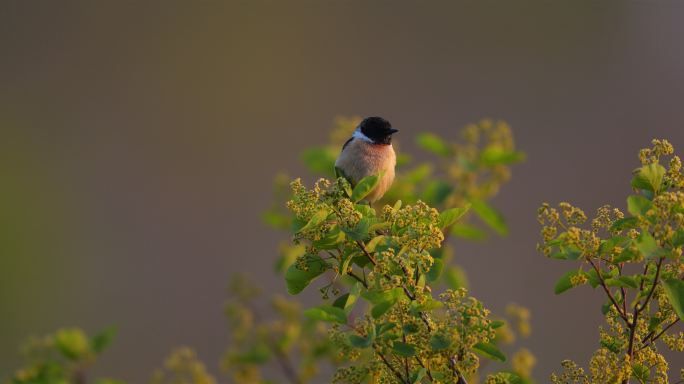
pixel 62 357
pixel 462 174
pixel 388 262
pixel 378 309
pixel 637 263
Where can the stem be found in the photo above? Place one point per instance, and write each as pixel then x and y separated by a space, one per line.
pixel 391 367
pixel 651 339
pixel 357 278
pixel 408 293
pixel 638 308
pixel 429 374
pixel 655 282
pixel 610 295
pixel 286 365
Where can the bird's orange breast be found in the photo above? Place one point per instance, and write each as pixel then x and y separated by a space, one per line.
pixel 360 159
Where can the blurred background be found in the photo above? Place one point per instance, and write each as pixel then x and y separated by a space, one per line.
pixel 138 143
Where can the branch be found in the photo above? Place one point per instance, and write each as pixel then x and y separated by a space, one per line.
pixel 429 374
pixel 408 293
pixel 651 339
pixel 655 282
pixel 610 295
pixel 357 278
pixel 387 363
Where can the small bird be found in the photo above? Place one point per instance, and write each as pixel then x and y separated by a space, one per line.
pixel 369 152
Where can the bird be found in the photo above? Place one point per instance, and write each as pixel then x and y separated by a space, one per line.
pixel 369 152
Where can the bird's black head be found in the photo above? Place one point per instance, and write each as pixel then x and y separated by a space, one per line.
pixel 377 129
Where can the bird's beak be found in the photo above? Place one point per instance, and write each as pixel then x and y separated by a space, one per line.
pixel 393 131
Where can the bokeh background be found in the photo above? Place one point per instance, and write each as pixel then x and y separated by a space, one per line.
pixel 138 142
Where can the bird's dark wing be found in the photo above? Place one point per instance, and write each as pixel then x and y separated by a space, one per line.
pixel 347 143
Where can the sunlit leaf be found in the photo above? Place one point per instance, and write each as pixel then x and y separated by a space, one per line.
pixel 403 349
pixel 451 216
pixel 433 143
pixel 674 289
pixel 298 279
pixel 327 313
pixel 364 187
pixel 489 216
pixel 489 350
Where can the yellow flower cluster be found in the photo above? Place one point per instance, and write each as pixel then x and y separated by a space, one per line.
pixel 183 366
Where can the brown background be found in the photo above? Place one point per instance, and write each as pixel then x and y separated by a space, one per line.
pixel 138 143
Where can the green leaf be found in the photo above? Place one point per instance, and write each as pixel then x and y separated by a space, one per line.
pixel 327 313
pixel 497 324
pixel 641 372
pixel 439 342
pixel 647 245
pixel 567 253
pixel 678 238
pixel 258 354
pixel 649 177
pixel 298 279
pixel 418 174
pixel 275 219
pixel 364 187
pixel 654 322
pixel 451 216
pixel 403 349
pixel 467 231
pixel 410 328
pixel 494 155
pixel 612 346
pixel 489 350
pixel 627 254
pixel 360 231
pixel 625 223
pixel 433 143
pixel 428 305
pixel 315 220
pixel 593 278
pixel 674 289
pixel 455 277
pixel 73 343
pixel 509 378
pixel 370 246
pixel 436 270
pixel 622 281
pixel 654 173
pixel 103 339
pixel 332 239
pixel 360 342
pixel 382 307
pixel 638 205
pixel 608 245
pixel 489 216
pixel 436 192
pixel 384 327
pixel 564 283
pixel 320 160
pixel 376 297
pixel 346 302
pixel 417 376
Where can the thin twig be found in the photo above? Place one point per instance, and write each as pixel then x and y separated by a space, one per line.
pixel 654 338
pixel 429 374
pixel 605 288
pixel 357 278
pixel 391 367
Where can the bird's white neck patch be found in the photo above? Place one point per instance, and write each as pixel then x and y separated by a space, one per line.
pixel 359 135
